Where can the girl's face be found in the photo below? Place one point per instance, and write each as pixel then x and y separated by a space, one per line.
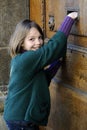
pixel 33 40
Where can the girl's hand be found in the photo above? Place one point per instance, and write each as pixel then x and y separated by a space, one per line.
pixel 73 15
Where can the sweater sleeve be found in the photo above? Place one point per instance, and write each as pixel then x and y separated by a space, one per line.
pixel 66 25
pixel 53 68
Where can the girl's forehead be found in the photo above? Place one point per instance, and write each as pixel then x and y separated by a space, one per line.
pixel 33 32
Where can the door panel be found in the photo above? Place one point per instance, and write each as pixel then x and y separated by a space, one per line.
pixel 53 8
pixel 36 11
pixel 59 9
pixel 69 108
pixel 74 70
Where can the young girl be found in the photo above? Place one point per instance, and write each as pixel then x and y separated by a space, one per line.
pixel 27 104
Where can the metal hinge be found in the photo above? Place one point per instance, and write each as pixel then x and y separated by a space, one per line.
pixel 77 48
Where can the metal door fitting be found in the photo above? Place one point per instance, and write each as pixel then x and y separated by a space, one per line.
pixel 51 22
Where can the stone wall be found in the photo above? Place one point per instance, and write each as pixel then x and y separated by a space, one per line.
pixel 11 12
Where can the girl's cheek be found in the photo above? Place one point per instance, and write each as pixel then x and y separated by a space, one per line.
pixel 42 42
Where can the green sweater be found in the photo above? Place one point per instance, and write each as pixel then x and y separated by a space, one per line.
pixel 28 92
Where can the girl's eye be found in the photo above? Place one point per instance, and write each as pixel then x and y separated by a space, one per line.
pixel 40 37
pixel 32 39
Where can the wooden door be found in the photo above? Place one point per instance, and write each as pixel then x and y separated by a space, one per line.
pixel 37 12
pixel 68 88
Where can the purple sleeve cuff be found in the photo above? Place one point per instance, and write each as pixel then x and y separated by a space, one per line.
pixel 52 70
pixel 66 25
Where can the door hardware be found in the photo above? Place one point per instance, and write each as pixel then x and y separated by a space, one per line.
pixel 51 22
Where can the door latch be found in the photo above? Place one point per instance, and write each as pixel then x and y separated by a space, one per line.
pixel 51 22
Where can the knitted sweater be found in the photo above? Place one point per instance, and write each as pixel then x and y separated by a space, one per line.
pixel 28 92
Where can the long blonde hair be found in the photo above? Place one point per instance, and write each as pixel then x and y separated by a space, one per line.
pixel 17 38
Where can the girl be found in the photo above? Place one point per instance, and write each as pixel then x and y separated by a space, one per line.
pixel 27 104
